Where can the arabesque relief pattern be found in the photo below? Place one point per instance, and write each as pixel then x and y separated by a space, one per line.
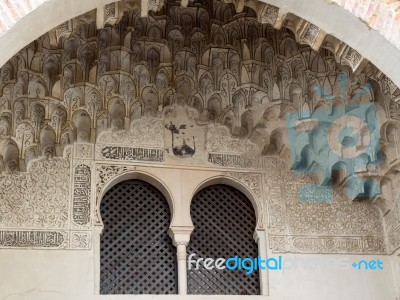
pixel 197 85
pixel 338 227
pixel 25 198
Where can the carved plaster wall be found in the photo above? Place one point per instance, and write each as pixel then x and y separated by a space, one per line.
pixel 336 227
pixel 187 87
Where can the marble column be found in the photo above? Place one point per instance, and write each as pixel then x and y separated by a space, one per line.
pixel 181 238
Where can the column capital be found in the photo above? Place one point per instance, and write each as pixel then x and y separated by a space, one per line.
pixel 180 235
pixel 259 234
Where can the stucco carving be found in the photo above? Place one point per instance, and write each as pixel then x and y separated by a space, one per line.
pixel 145 132
pixel 110 90
pixel 394 240
pixel 349 245
pixel 105 173
pixel 81 240
pixel 81 205
pixel 33 239
pixel 392 225
pixel 39 198
pixel 269 14
pixel 219 141
pixel 310 227
pixel 254 182
pixel 130 154
pixel 311 34
pixel 276 205
pixel 235 161
pixel 201 85
pixel 84 151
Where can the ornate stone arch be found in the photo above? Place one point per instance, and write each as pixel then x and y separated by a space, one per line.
pixel 247 183
pixel 250 184
pixel 108 177
pixel 113 179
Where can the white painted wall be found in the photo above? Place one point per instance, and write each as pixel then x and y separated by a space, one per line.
pixel 327 280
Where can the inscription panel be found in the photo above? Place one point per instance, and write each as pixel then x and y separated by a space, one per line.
pixel 131 154
pixel 323 244
pixel 82 193
pixel 234 161
pixel 32 239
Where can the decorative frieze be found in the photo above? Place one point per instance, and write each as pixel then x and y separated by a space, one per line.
pixel 234 161
pixel 33 239
pixel 219 140
pixel 146 132
pixel 327 245
pixel 131 154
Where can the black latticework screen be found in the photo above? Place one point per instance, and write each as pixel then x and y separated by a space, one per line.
pixel 224 223
pixel 137 256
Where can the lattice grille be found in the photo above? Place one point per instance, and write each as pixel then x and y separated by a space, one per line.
pixel 224 223
pixel 137 256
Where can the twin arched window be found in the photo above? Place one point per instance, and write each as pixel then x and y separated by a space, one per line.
pixel 137 255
